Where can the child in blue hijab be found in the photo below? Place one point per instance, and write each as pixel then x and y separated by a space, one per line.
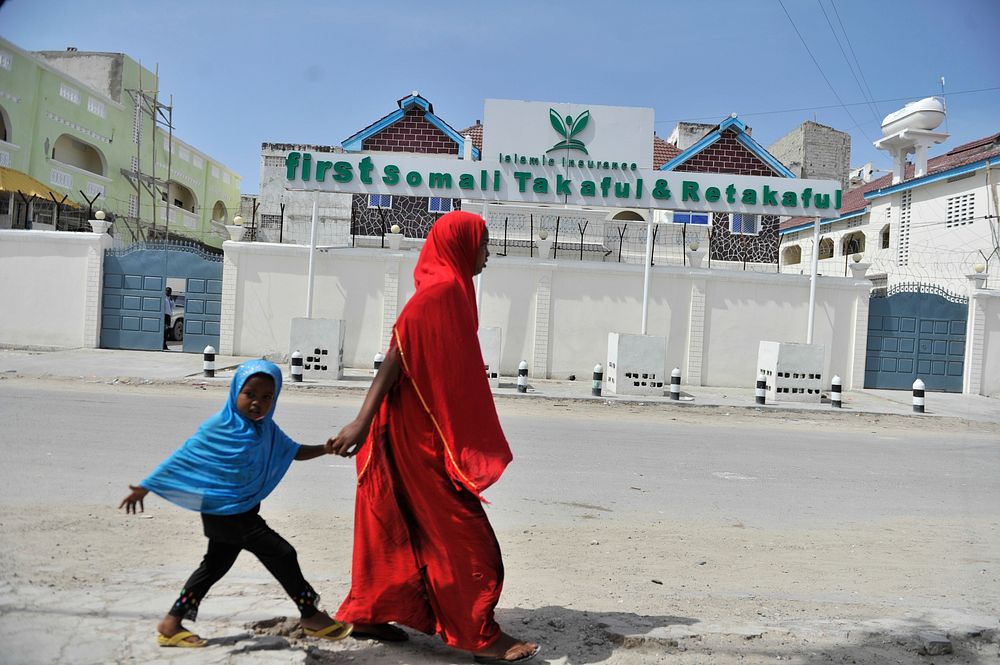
pixel 234 460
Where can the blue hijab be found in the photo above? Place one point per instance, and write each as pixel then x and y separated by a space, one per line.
pixel 231 463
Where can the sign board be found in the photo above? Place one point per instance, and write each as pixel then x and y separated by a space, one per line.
pixel 568 131
pixel 549 179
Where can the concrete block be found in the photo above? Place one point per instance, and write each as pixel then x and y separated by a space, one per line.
pixel 489 343
pixel 636 365
pixel 321 342
pixel 794 372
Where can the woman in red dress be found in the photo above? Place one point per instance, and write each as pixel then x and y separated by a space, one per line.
pixel 430 442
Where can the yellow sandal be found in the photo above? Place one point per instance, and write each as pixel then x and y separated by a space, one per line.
pixel 335 631
pixel 180 640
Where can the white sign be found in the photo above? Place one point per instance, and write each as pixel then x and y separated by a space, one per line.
pixel 559 180
pixel 571 131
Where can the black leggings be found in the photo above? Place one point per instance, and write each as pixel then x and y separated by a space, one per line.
pixel 228 535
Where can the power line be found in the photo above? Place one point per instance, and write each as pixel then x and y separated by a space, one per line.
pixel 816 62
pixel 853 54
pixel 843 53
pixel 834 106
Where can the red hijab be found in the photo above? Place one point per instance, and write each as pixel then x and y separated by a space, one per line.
pixel 436 335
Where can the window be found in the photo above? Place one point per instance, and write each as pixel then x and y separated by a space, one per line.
pixel 742 224
pixel 792 255
pixel 69 93
pixel 383 201
pixel 826 248
pixel 96 107
pixel 691 218
pixel 884 237
pixel 853 243
pixel 270 221
pixel 961 209
pixel 438 204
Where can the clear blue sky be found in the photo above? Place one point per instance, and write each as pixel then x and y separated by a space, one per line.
pixel 245 72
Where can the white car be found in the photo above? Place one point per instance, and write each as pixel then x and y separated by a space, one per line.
pixel 176 330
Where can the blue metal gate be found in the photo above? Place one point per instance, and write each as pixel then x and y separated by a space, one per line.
pixel 916 330
pixel 134 282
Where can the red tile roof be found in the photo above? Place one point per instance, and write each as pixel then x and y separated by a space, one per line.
pixel 476 133
pixel 663 152
pixel 974 151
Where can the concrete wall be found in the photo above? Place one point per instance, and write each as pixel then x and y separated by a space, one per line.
pixel 554 314
pixel 812 150
pixel 51 294
pixel 982 350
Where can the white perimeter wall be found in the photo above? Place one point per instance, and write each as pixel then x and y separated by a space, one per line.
pixel 50 288
pixel 554 314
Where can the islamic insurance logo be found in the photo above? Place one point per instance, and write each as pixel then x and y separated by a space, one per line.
pixel 568 128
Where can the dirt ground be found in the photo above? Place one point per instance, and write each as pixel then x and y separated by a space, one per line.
pixel 591 590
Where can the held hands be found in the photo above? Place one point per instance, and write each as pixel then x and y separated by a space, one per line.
pixel 350 439
pixel 135 497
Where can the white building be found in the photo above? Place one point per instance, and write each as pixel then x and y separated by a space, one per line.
pixel 932 229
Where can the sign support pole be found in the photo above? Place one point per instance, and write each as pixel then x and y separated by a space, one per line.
pixel 647 273
pixel 812 282
pixel 312 259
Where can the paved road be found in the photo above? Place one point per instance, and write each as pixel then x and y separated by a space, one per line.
pixel 750 519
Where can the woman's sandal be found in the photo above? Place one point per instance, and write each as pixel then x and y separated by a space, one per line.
pixel 335 631
pixel 180 639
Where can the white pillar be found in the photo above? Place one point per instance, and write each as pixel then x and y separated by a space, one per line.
pixel 812 283
pixel 312 259
pixel 647 273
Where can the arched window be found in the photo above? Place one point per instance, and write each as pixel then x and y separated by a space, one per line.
pixel 628 216
pixel 826 248
pixel 884 237
pixel 853 243
pixel 5 130
pixel 219 212
pixel 179 196
pixel 791 255
pixel 73 151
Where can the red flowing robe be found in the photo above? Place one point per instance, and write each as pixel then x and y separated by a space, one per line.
pixel 425 555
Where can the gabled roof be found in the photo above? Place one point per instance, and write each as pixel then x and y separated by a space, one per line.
pixel 739 128
pixel 663 151
pixel 966 157
pixel 355 141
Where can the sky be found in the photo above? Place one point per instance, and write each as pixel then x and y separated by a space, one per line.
pixel 252 71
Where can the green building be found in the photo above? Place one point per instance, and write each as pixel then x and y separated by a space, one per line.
pixel 93 128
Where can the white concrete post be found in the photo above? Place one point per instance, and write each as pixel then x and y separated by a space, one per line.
pixel 312 258
pixel 598 380
pixel 297 366
pixel 675 384
pixel 760 391
pixel 208 362
pixel 647 273
pixel 835 395
pixel 918 396
pixel 812 283
pixel 522 377
pixel 377 363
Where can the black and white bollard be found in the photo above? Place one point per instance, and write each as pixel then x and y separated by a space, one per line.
pixel 835 387
pixel 208 362
pixel 918 396
pixel 675 383
pixel 297 366
pixel 522 377
pixel 377 363
pixel 598 380
pixel 760 392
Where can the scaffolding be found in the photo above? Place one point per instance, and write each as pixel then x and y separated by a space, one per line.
pixel 148 104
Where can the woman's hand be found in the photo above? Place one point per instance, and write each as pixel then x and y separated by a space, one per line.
pixel 350 439
pixel 135 497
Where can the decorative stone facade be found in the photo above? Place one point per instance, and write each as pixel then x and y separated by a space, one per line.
pixel 410 212
pixel 728 155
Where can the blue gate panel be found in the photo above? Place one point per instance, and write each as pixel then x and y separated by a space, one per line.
pixel 152 325
pixel 196 286
pixel 153 283
pixel 113 280
pixel 918 333
pixel 213 307
pixel 213 328
pixel 195 306
pixel 215 286
pixel 131 323
pixel 152 304
pixel 111 321
pixel 133 282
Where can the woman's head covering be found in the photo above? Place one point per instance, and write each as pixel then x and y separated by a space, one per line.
pixel 437 337
pixel 231 463
pixel 450 253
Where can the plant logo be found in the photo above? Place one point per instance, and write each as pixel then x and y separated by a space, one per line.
pixel 567 129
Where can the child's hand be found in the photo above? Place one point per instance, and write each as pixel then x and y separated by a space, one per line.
pixel 136 496
pixel 350 439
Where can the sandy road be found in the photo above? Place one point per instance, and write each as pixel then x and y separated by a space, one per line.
pixel 630 535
